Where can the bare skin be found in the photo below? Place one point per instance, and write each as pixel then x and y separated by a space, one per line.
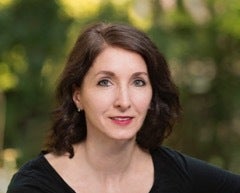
pixel 92 171
pixel 115 97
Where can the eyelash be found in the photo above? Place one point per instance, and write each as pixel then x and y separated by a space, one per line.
pixel 137 81
pixel 107 83
pixel 104 83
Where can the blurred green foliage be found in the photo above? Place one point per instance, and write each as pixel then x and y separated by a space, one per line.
pixel 200 39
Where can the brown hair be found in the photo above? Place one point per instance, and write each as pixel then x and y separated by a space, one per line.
pixel 69 126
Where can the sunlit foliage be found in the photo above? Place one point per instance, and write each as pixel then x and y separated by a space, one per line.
pixel 201 41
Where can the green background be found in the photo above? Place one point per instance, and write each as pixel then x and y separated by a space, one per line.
pixel 200 39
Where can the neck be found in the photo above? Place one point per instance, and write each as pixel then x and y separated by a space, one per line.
pixel 109 160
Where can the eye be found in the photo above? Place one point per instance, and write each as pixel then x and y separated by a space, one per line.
pixel 139 83
pixel 104 83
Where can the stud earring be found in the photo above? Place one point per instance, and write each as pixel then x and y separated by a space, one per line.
pixel 78 109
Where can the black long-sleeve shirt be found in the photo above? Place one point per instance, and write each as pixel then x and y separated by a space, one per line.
pixel 174 172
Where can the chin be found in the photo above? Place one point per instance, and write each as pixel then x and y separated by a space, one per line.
pixel 129 137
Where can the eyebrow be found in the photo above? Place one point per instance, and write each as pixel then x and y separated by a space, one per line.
pixel 109 73
pixel 140 73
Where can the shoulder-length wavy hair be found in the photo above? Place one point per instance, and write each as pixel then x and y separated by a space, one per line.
pixel 69 126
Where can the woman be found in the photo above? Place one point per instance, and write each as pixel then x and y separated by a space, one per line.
pixel 117 103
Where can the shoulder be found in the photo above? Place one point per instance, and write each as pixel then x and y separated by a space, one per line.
pixel 36 176
pixel 170 158
pixel 171 170
pixel 28 177
pixel 194 175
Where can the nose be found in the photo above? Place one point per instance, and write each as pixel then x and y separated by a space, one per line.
pixel 122 100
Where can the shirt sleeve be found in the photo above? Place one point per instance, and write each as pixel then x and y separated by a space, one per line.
pixel 21 183
pixel 24 190
pixel 37 176
pixel 207 178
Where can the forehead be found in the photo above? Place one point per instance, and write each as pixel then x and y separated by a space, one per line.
pixel 114 58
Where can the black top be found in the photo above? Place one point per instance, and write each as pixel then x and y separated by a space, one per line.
pixel 173 173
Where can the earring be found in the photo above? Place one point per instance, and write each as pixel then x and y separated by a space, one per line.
pixel 78 109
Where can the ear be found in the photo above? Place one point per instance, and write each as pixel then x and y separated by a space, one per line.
pixel 77 97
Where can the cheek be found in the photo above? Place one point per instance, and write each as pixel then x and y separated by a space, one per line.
pixel 98 101
pixel 142 100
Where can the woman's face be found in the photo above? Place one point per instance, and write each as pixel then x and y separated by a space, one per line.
pixel 115 95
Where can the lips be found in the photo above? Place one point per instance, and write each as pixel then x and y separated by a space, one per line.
pixel 122 120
